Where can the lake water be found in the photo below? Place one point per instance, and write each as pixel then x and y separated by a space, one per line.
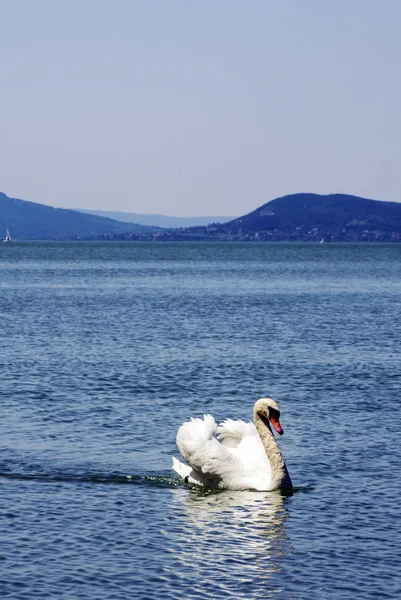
pixel 107 348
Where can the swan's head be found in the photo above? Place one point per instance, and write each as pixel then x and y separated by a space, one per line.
pixel 267 408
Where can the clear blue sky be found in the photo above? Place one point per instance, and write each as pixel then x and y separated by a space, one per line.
pixel 208 107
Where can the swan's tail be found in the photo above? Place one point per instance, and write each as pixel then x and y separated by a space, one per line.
pixel 188 474
pixel 179 467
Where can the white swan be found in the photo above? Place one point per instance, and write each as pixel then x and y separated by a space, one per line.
pixel 243 456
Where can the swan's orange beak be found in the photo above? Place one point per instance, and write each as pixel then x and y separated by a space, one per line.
pixel 276 424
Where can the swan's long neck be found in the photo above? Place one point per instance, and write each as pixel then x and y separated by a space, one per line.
pixel 279 473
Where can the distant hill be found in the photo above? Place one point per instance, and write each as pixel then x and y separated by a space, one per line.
pixel 33 221
pixel 311 217
pixel 157 220
pixel 297 217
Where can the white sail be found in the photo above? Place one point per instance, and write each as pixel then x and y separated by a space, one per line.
pixel 8 236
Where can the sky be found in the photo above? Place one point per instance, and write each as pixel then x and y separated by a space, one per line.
pixel 191 108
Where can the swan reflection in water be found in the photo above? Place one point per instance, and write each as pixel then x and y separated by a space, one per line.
pixel 234 541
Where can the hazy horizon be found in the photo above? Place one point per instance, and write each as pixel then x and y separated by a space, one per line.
pixel 187 109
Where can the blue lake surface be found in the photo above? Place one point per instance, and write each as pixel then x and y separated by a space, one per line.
pixel 107 348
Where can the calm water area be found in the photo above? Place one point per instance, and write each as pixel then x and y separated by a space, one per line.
pixel 108 347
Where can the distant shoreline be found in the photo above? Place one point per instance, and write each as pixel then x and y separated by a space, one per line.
pixel 295 218
pixel 203 242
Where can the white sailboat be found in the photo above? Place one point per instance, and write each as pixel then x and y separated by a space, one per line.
pixel 8 236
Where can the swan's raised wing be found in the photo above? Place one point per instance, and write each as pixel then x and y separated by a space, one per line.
pixel 197 442
pixel 242 441
pixel 231 433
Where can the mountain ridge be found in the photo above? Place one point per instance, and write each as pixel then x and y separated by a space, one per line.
pixel 309 217
pixel 31 220
pixel 301 217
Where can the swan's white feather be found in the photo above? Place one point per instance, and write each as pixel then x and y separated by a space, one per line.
pixel 197 442
pixel 182 470
pixel 231 432
pixel 189 474
pixel 238 461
